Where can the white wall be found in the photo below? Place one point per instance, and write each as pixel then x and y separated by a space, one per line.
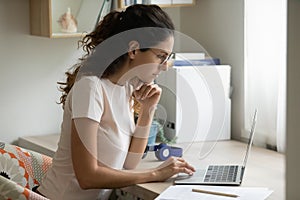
pixel 175 15
pixel 293 102
pixel 218 25
pixel 30 67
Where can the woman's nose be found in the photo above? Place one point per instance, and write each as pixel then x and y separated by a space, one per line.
pixel 164 66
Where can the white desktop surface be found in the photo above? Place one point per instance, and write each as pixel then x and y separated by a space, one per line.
pixel 265 168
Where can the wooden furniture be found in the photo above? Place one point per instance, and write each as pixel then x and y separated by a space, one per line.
pixel 44 16
pixel 162 3
pixel 265 168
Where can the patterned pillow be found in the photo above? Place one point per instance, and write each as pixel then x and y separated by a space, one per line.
pixel 14 169
pixel 10 190
pixel 23 167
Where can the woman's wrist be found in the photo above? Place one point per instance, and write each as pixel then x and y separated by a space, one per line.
pixel 149 108
pixel 141 132
pixel 152 175
pixel 146 115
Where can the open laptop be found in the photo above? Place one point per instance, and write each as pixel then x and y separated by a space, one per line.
pixel 220 174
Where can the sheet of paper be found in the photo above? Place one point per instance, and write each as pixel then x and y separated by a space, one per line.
pixel 179 192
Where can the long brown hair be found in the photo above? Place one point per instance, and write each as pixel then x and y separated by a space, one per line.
pixel 135 16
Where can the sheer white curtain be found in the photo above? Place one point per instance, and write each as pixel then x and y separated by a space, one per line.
pixel 265 70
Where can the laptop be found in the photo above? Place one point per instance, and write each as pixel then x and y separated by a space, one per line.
pixel 220 174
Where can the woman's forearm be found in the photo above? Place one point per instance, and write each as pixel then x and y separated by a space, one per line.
pixel 146 116
pixel 105 177
pixel 141 133
pixel 140 138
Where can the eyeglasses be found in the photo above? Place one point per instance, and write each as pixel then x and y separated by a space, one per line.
pixel 164 58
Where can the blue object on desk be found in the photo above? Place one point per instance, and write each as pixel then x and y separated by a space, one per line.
pixel 163 151
pixel 153 133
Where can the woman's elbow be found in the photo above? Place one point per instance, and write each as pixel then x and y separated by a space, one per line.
pixel 86 178
pixel 84 183
pixel 88 181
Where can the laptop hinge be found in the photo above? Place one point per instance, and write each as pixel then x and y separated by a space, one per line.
pixel 242 173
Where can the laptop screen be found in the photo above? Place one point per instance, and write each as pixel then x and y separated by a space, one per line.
pixel 250 141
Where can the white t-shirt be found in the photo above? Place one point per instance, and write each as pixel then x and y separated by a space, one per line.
pixel 102 101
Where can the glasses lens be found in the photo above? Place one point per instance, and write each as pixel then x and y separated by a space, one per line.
pixel 167 58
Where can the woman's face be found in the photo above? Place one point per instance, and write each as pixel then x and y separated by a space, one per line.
pixel 149 64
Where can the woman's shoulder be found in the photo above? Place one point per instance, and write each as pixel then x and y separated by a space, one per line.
pixel 88 80
pixel 87 83
pixel 91 81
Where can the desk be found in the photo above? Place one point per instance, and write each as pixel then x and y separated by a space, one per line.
pixel 265 168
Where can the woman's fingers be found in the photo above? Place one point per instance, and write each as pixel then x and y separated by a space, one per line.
pixel 147 91
pixel 186 164
pixel 178 165
pixel 148 95
pixel 184 167
pixel 173 166
pixel 155 90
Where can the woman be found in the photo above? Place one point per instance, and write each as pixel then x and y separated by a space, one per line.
pixel 100 145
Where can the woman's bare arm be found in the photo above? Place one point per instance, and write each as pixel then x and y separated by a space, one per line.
pixel 148 96
pixel 92 174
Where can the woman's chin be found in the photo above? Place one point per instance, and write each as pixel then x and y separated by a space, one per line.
pixel 150 81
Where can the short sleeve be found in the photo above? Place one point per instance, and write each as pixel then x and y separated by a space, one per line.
pixel 87 98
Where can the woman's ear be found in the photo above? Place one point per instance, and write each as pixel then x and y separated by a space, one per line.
pixel 133 46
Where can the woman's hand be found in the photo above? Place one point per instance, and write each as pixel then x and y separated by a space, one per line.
pixel 148 95
pixel 172 166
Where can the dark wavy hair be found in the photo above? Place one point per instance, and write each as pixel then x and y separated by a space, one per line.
pixel 135 16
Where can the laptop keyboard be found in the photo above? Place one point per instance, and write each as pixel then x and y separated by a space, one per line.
pixel 221 173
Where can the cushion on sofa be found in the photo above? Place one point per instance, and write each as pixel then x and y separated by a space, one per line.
pixel 20 171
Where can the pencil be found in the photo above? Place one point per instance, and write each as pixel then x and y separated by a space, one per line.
pixel 215 193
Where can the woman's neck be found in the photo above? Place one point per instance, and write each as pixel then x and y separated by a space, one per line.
pixel 120 77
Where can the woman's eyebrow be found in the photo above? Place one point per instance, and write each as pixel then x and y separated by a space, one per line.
pixel 164 52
